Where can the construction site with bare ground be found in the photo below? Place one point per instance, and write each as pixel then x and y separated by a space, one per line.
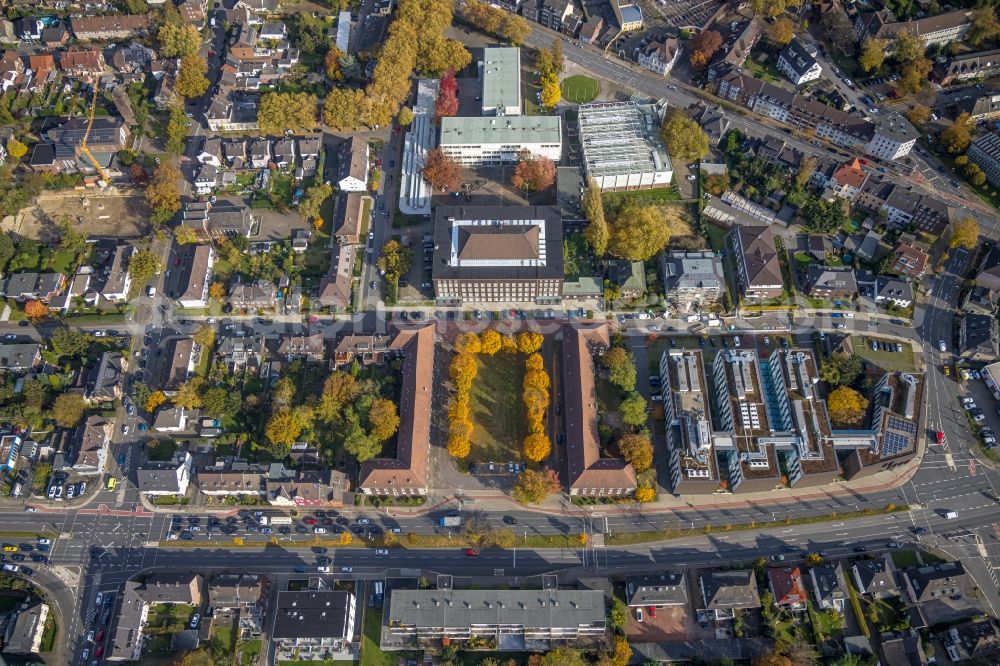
pixel 114 213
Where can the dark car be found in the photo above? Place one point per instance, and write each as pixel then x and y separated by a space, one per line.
pixel 301 529
pixel 342 521
pixel 919 530
pixel 859 549
pixel 510 520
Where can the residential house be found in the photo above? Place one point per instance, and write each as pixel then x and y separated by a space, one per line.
pixel 757 264
pixel 165 96
pixel 55 34
pixel 932 30
pixel 354 166
pixel 666 590
pixel 206 180
pixel 893 291
pixel 736 49
pixel 210 152
pixel 20 357
pixel 848 180
pixel 980 300
pixel 109 27
pixel 787 587
pixel 975 640
pixel 909 261
pixel 553 14
pixel 125 641
pixel 235 152
pixel 104 381
pixel 166 478
pixel 887 137
pixel 310 347
pixel 119 281
pixel 11 70
pixel 904 650
pixel 300 487
pixel 173 419
pixel 723 592
pixel 222 219
pixel 407 473
pixel 232 479
pixel 693 281
pixel 335 287
pixel 545 619
pixel 25 629
pixel 183 589
pixel 235 591
pixel 42 66
pixel 984 107
pixel 936 581
pixel 231 111
pixel 828 587
pixel 90 446
pixel 628 277
pixel 123 105
pixel 591 29
pixel 977 335
pixel 192 11
pixel 80 62
pixel 589 474
pixel 965 66
pixel 253 296
pixel 922 212
pixel 875 577
pixel 7 33
pixel 179 363
pixel 830 282
pixel 798 63
pixel 32 286
pixel 660 55
pixel 273 31
pixel 132 58
pixel 313 624
pixel 196 275
pixel 628 14
pixel 241 351
pixel 713 121
pixel 988 272
pixel 284 152
pixel 366 349
pixel 349 217
pixel 29 29
pixel 260 153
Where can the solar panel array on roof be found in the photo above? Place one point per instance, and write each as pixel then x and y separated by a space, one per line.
pixel 898 437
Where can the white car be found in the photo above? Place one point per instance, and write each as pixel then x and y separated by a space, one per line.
pixel 966 400
pixel 98 334
pixel 151 291
pixel 44 542
pixel 322 569
pixel 942 345
pixel 840 326
pixel 848 315
pixel 195 619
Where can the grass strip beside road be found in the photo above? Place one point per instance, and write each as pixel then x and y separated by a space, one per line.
pixel 458 540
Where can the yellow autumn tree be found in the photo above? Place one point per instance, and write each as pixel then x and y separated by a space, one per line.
pixel 537 447
pixel 846 405
pixel 346 538
pixel 508 345
pixel 468 343
pixel 463 371
pixel 550 91
pixel 644 495
pixel 459 408
pixel 534 362
pixel 154 400
pixel 458 447
pixel 529 342
pixel 490 342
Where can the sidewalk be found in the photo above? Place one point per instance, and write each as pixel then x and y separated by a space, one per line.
pixel 558 504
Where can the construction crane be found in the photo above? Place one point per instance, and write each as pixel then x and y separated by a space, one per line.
pixel 83 144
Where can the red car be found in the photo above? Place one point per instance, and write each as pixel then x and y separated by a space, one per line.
pixel 939 436
pixel 100 636
pixel 99 652
pixel 652 611
pixel 471 552
pixel 309 521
